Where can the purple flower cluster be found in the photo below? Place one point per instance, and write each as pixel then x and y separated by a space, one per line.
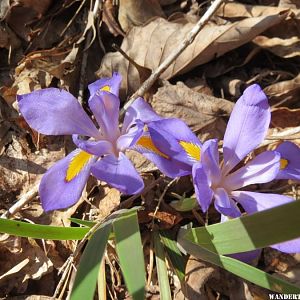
pixel 223 182
pixel 100 150
pixel 168 142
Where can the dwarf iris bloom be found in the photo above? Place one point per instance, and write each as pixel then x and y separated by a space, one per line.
pixel 246 129
pixel 100 151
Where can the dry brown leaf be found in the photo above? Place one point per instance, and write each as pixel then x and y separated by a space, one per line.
pixel 4 8
pixel 199 85
pixel 137 12
pixel 106 201
pixel 11 243
pixel 31 261
pixel 149 45
pixel 287 90
pixel 238 10
pixel 197 274
pixel 23 12
pixel 203 113
pixel 284 117
pixel 289 3
pixel 37 70
pixel 282 47
pixel 282 40
pixel 140 162
pixel 20 169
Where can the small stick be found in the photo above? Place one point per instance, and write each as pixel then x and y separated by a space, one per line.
pixel 21 202
pixel 174 54
pixel 161 199
pixel 88 42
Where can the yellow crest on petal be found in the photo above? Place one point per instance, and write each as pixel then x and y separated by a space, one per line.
pixel 283 163
pixel 146 142
pixel 192 150
pixel 105 88
pixel 78 162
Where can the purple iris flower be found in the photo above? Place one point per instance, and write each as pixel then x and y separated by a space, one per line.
pixel 246 129
pixel 100 151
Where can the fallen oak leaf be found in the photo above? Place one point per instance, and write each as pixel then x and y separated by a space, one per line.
pixel 149 45
pixel 203 113
pixel 238 10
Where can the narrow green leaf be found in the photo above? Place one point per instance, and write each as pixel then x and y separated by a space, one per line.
pixel 130 252
pixel 101 282
pixel 238 268
pixel 186 204
pixel 35 231
pixel 88 270
pixel 23 229
pixel 162 271
pixel 176 258
pixel 85 223
pixel 259 230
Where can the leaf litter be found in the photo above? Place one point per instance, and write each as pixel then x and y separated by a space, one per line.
pixel 242 43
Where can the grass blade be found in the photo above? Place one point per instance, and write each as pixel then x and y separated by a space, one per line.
pixel 130 252
pixel 162 272
pixel 23 229
pixel 85 223
pixel 88 270
pixel 174 255
pixel 101 282
pixel 238 268
pixel 259 230
pixel 35 231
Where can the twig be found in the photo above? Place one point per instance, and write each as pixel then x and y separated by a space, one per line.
pixel 21 202
pixel 161 198
pixel 85 56
pixel 72 19
pixel 174 54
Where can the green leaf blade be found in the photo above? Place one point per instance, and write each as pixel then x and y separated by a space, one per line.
pixel 251 232
pixel 88 270
pixel 176 258
pixel 239 268
pixel 130 252
pixel 19 228
pixel 162 272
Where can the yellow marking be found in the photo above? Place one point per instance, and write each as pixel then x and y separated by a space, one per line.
pixel 191 149
pixel 283 163
pixel 105 88
pixel 76 165
pixel 146 142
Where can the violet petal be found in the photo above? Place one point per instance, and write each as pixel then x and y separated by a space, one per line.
pixel 263 168
pixel 203 191
pixel 247 126
pixel 58 193
pixel 55 112
pixel 119 173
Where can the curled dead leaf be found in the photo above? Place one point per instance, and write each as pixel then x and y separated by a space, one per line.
pixel 137 12
pixel 287 90
pixel 198 273
pixel 203 113
pixel 284 117
pixel 149 45
pixel 239 10
pixel 30 263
